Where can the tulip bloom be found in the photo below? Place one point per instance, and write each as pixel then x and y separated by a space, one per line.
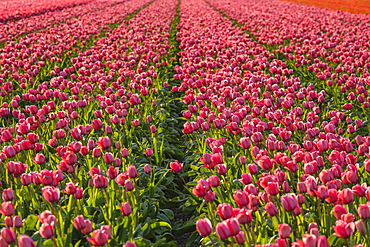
pixel 8 194
pixel 289 202
pixel 7 208
pixel 46 230
pixel 100 181
pixel 222 230
pixel 176 166
pixel 51 194
pixel 25 241
pixel 79 222
pixel 99 237
pixel 364 211
pixel 284 230
pixel 126 209
pixel 8 235
pixel 225 211
pixel 204 227
pixel 343 229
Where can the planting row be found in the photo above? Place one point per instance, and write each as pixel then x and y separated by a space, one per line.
pixel 15 10
pixel 11 31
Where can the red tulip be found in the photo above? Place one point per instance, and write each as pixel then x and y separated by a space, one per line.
pixel 343 229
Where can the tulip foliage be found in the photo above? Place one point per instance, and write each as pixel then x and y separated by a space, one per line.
pixel 132 123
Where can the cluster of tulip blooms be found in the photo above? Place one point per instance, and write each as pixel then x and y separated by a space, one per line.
pixel 80 104
pixel 275 146
pixel 279 118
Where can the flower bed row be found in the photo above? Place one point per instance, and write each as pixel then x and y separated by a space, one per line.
pixel 11 31
pixel 15 10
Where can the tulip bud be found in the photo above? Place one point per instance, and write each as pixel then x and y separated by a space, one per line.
pixel 99 238
pixel 88 227
pixel 240 238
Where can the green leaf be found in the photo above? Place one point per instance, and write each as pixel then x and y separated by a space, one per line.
pixel 169 213
pixel 30 222
pixel 194 238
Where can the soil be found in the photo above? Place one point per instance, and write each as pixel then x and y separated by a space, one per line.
pixel 183 238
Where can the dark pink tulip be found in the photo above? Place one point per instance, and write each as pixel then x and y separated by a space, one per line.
pixel 225 211
pixel 361 227
pixel 108 158
pixel 51 194
pixel 245 143
pixel 271 209
pixel 147 169
pixel 346 195
pixel 176 166
pixel 149 152
pixel 364 211
pixel 241 198
pixel 240 238
pixel 7 208
pixel 104 142
pixel 265 163
pixel 213 181
pixel 79 193
pixel 222 230
pixel 25 241
pixel 289 202
pixel 100 181
pixel 284 230
pixel 126 209
pixel 309 240
pixel 8 235
pixel 8 194
pixel 99 237
pixel 233 226
pixel 46 231
pixel 17 222
pixel 204 227
pixel 129 244
pixel 88 227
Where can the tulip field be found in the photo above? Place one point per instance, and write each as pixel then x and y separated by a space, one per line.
pixel 184 123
